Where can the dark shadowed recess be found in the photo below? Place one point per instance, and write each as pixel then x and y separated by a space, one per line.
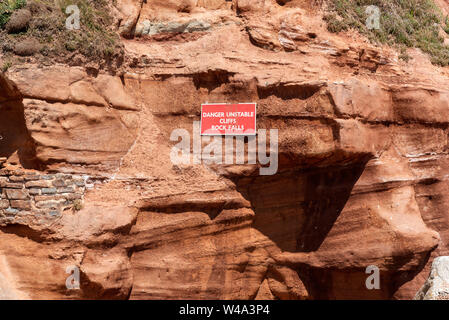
pixel 350 284
pixel 14 136
pixel 211 79
pixel 289 91
pixel 297 209
pixel 16 143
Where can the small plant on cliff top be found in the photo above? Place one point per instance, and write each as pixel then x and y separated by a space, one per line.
pixel 403 23
pixel 6 66
pixel 94 37
pixel 77 205
pixel 446 25
pixel 95 40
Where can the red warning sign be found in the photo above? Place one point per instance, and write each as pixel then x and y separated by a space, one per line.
pixel 228 119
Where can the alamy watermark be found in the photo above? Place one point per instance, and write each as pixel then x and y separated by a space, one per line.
pixel 73 21
pixel 373 20
pixel 73 280
pixel 373 281
pixel 257 150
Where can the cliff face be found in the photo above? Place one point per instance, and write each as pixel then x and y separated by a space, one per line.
pixel 88 181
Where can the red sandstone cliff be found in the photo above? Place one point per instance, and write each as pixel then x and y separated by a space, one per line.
pixel 362 179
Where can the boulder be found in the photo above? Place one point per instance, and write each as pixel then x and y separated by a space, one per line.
pixel 437 285
pixel 28 47
pixel 18 21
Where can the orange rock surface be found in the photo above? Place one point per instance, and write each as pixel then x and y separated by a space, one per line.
pixel 363 162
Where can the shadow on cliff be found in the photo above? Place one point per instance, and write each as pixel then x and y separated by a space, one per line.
pixel 297 209
pixel 350 284
pixel 15 141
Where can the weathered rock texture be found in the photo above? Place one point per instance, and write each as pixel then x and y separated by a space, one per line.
pixel 437 285
pixel 37 197
pixel 363 162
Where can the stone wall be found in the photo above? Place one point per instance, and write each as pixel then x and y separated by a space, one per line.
pixel 46 195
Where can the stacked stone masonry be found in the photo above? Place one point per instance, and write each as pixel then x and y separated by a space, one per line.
pixel 23 193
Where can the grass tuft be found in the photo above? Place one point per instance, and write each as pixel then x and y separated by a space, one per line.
pixel 403 23
pixel 95 40
pixel 7 7
pixel 6 65
pixel 78 205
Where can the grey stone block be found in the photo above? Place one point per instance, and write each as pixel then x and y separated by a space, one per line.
pixel 21 204
pixel 49 190
pixel 59 183
pixel 16 178
pixel 53 204
pixel 54 213
pixel 32 177
pixel 14 185
pixel 11 211
pixel 79 183
pixel 38 184
pixel 73 196
pixel 66 190
pixel 14 194
pixel 34 191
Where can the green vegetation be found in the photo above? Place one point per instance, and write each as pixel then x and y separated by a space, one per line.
pixel 94 38
pixel 6 66
pixel 77 205
pixel 403 23
pixel 446 25
pixel 7 7
pixel 94 41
